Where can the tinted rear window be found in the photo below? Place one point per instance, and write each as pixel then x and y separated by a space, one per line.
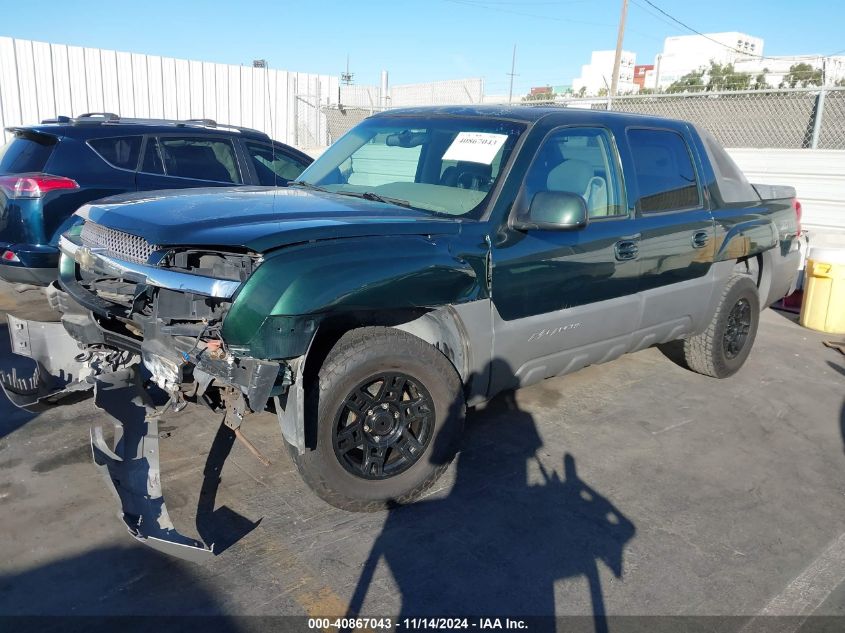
pixel 118 151
pixel 26 153
pixel 664 171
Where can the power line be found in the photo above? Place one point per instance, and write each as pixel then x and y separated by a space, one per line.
pixel 727 46
pixel 485 5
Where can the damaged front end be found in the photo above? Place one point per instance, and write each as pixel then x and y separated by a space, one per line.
pixel 136 318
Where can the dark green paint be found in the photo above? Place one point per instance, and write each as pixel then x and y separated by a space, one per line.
pixel 326 255
pixel 369 274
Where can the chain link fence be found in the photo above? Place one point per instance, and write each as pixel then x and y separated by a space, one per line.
pixel 832 129
pixel 784 119
pixel 802 118
pixel 451 92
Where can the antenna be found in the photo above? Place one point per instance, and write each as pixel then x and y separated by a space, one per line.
pixel 512 74
pixel 266 68
pixel 346 77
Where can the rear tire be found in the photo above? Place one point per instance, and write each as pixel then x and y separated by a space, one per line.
pixel 387 414
pixel 724 346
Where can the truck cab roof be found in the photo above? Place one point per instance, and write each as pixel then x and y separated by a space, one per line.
pixel 533 114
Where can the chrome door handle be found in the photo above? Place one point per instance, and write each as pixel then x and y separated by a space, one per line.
pixel 626 249
pixel 700 239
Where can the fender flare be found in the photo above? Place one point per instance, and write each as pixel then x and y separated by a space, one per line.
pixel 445 328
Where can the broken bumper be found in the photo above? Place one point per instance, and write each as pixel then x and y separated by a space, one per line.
pixel 59 369
pixel 131 466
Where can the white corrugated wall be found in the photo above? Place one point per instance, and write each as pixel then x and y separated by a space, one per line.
pixel 817 175
pixel 40 80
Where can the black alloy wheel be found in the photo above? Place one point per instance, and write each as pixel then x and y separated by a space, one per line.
pixel 738 326
pixel 383 426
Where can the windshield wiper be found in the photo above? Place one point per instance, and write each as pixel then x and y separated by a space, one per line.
pixel 375 197
pixel 305 185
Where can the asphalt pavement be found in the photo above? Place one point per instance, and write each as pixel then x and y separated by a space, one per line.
pixel 630 488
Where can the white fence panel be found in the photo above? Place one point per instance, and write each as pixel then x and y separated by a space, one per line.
pixel 94 80
pixel 9 95
pixel 61 79
pixel 26 79
pixel 196 94
pixel 111 87
pixel 817 175
pixel 43 74
pixel 182 82
pixel 125 84
pixel 77 77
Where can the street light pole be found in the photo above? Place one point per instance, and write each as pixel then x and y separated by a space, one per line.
pixel 614 82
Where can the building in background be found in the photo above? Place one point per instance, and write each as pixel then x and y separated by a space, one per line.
pixel 775 71
pixel 596 76
pixel 683 54
pixel 641 72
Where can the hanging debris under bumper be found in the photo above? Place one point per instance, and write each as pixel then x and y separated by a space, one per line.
pixel 131 466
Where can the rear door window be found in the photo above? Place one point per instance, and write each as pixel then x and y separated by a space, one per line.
pixel 26 152
pixel 664 171
pixel 118 151
pixel 199 158
pixel 272 165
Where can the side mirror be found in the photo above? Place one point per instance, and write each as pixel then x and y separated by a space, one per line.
pixel 555 211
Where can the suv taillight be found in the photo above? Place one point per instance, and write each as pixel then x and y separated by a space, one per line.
pixel 796 206
pixel 34 185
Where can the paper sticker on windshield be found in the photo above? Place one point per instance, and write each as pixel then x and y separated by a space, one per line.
pixel 475 147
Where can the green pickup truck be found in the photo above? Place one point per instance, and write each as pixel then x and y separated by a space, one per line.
pixel 428 260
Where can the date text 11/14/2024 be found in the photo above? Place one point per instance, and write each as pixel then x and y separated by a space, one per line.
pixel 417 623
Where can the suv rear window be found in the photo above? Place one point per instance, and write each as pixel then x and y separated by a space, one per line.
pixel 26 152
pixel 118 151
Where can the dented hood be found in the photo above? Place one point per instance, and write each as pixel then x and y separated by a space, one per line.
pixel 256 218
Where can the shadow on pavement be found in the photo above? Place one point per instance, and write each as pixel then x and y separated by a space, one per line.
pixel 506 533
pixel 222 527
pixel 841 370
pixel 113 581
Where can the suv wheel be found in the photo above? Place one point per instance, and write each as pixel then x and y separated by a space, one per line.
pixel 722 348
pixel 387 414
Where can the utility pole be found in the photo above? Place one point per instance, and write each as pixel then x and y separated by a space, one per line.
pixel 511 73
pixel 614 82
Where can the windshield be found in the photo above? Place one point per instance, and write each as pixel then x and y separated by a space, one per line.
pixel 441 164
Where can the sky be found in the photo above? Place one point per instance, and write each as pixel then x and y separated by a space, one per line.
pixel 418 40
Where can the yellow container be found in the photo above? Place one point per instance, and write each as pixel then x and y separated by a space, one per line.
pixel 823 307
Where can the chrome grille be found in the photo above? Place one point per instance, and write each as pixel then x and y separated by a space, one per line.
pixel 117 244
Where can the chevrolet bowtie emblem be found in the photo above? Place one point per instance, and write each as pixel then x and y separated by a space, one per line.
pixel 87 257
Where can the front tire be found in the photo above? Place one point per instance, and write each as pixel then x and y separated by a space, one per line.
pixel 724 346
pixel 387 413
